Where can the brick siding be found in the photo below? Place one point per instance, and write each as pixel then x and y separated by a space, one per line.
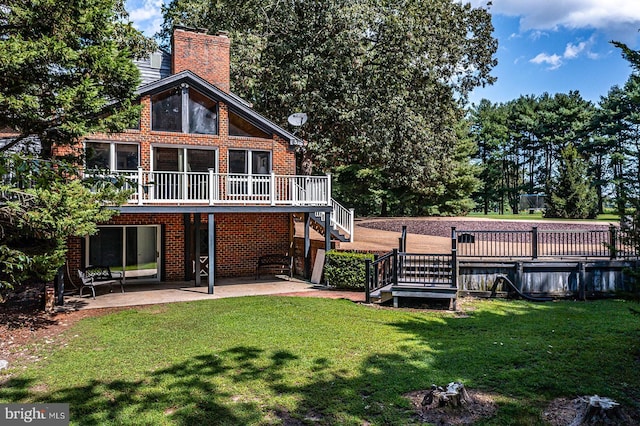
pixel 240 240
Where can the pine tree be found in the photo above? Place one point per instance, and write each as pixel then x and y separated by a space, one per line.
pixel 571 195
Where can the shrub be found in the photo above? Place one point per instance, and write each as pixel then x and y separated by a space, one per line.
pixel 346 269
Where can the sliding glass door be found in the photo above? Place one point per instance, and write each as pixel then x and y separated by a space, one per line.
pixel 132 250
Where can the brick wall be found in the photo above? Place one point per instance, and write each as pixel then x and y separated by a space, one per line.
pixel 240 240
pixel 283 157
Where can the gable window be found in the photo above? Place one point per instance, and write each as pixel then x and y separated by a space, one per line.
pixel 184 110
pixel 111 156
pixel 238 126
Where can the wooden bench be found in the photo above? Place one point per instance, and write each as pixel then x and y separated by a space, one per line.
pixel 282 262
pixel 95 275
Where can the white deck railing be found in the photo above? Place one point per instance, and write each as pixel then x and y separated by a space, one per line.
pixel 218 188
pixel 235 189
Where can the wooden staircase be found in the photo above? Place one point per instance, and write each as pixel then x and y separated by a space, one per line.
pixel 398 274
pixel 341 222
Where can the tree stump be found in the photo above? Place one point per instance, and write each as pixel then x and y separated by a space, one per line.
pixel 455 395
pixel 596 410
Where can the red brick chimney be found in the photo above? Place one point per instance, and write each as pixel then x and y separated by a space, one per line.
pixel 203 54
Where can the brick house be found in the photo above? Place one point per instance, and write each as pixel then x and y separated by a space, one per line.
pixel 214 183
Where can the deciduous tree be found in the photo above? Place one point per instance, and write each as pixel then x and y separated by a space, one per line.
pixel 382 81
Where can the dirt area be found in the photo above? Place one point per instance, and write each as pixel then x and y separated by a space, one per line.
pixel 482 405
pixel 25 328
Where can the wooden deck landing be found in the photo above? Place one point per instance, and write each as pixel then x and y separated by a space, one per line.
pixel 414 290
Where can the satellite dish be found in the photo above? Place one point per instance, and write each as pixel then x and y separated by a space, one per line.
pixel 297 119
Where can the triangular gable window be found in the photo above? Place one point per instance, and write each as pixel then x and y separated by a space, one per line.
pixel 184 110
pixel 238 126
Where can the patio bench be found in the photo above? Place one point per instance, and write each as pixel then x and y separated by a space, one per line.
pixel 282 262
pixel 96 275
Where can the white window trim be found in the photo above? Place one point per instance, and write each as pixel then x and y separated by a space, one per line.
pixel 249 153
pixel 184 147
pixel 112 153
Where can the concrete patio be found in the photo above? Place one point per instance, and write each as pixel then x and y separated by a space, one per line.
pixel 155 293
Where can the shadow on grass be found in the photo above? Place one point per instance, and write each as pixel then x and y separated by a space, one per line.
pixel 516 350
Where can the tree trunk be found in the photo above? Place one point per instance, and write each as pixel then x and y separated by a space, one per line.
pixel 455 395
pixel 598 410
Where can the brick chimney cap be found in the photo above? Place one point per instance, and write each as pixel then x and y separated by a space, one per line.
pixel 190 29
pixel 223 33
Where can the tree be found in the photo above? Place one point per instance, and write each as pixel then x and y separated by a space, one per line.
pixel 382 81
pixel 571 195
pixel 65 70
pixel 627 124
pixel 40 207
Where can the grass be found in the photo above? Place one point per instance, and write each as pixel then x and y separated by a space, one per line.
pixel 606 217
pixel 273 360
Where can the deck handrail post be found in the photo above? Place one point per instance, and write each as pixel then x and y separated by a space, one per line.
pixel 534 242
pixel 272 188
pixel 140 186
pixel 367 285
pixel 328 189
pixel 454 239
pixel 376 275
pixel 185 185
pixel 395 266
pixel 352 213
pixel 612 242
pixel 211 186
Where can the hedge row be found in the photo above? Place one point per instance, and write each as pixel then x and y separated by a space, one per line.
pixel 346 269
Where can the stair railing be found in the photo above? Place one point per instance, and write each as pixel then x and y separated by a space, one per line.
pixel 380 272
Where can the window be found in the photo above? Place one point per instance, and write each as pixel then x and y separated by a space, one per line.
pixel 238 126
pixel 202 114
pixel 131 250
pixel 241 161
pixel 111 156
pixel 183 159
pixel 166 111
pixel 184 110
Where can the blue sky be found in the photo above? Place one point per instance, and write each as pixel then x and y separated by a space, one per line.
pixel 549 46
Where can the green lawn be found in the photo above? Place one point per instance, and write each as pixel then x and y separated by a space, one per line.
pixel 267 360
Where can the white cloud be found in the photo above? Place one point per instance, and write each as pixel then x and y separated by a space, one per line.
pixel 554 61
pixel 573 50
pixel 146 15
pixel 549 15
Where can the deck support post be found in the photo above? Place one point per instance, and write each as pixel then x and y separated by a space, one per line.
pixel 307 245
pixel 196 255
pixel 582 284
pixel 212 252
pixel 327 231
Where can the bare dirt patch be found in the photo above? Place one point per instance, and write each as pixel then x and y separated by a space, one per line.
pixel 566 411
pixel 482 405
pixel 441 227
pixel 25 329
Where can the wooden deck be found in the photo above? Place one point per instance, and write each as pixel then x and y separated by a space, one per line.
pixel 406 275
